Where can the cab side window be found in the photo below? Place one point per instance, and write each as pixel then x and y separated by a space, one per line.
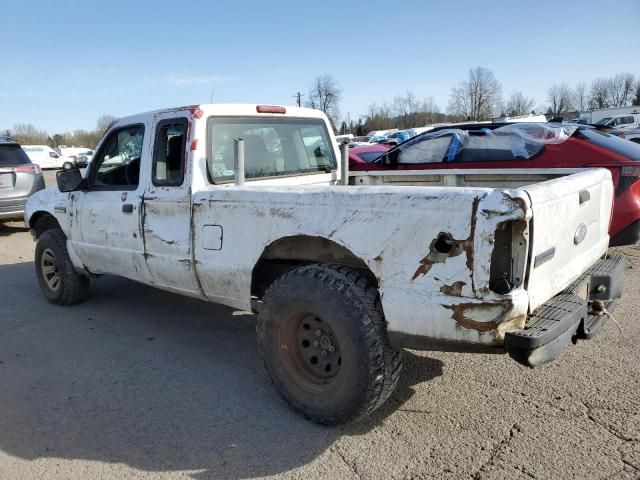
pixel 117 165
pixel 169 152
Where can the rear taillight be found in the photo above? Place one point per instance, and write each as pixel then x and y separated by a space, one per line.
pixel 32 168
pixel 630 171
pixel 628 176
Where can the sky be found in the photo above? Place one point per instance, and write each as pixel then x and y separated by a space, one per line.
pixel 64 63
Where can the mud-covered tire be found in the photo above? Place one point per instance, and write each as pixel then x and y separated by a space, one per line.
pixel 59 281
pixel 342 306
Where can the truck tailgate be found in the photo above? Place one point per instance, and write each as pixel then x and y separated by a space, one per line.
pixel 569 231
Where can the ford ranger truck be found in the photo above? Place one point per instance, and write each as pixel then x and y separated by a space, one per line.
pixel 248 206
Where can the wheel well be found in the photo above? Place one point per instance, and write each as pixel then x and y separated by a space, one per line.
pixel 292 252
pixel 635 140
pixel 40 222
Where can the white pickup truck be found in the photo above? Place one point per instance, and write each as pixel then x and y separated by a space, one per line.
pixel 248 206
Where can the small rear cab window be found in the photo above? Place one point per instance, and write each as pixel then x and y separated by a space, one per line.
pixel 273 147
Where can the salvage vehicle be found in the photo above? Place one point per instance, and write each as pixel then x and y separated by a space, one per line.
pixel 19 179
pixel 343 271
pixel 529 145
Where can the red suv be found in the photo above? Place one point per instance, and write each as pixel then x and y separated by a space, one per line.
pixel 528 145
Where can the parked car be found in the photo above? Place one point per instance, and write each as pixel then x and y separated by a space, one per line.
pixel 367 154
pixel 342 275
pixel 19 179
pixel 518 146
pixel 620 122
pixel 631 134
pixel 45 156
pixel 75 156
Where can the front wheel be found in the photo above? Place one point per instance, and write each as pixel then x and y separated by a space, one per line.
pixel 58 279
pixel 323 340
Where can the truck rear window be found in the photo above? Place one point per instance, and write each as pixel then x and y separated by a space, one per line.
pixel 12 155
pixel 273 147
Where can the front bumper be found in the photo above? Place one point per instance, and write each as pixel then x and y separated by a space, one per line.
pixel 578 312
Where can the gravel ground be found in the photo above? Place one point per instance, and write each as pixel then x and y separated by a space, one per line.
pixel 138 383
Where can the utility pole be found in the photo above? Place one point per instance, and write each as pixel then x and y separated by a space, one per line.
pixel 298 96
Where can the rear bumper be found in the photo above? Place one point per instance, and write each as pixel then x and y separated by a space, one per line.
pixel 576 313
pixel 13 208
pixel 629 236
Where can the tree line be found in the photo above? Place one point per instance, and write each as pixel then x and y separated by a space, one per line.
pixel 476 98
pixel 27 134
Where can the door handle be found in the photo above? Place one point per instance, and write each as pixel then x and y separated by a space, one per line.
pixel 127 208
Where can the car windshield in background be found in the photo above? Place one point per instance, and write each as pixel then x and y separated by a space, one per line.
pixel 272 147
pixel 603 121
pixel 615 144
pixel 512 142
pixel 369 156
pixel 12 155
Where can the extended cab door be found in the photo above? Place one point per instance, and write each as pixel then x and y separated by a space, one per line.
pixel 105 228
pixel 166 215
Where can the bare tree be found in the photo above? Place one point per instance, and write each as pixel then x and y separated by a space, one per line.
pixel 621 89
pixel 636 101
pixel 560 99
pixel 27 134
pixel 600 93
pixel 477 97
pixel 325 95
pixel 518 104
pixel 104 123
pixel 581 96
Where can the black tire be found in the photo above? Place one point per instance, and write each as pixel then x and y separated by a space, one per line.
pixel 58 278
pixel 344 305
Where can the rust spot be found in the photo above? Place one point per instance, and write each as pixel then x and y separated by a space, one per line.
pixel 445 246
pixel 463 311
pixel 468 248
pixel 425 266
pixel 454 290
pixel 378 259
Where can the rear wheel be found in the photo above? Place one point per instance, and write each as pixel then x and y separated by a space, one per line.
pixel 57 276
pixel 323 340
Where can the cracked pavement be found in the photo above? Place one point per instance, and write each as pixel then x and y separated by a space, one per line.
pixel 138 383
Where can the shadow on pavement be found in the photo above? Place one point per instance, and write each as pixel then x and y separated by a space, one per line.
pixel 152 380
pixel 10 227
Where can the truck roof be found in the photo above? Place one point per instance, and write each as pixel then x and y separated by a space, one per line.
pixel 229 109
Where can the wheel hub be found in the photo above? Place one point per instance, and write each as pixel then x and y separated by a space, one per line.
pixel 50 270
pixel 319 356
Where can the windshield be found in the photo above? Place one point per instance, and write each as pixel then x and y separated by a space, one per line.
pixel 518 141
pixel 628 149
pixel 273 147
pixel 603 121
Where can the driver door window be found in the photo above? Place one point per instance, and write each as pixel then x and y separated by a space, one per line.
pixel 117 166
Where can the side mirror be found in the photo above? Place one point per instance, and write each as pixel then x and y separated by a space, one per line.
pixel 69 180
